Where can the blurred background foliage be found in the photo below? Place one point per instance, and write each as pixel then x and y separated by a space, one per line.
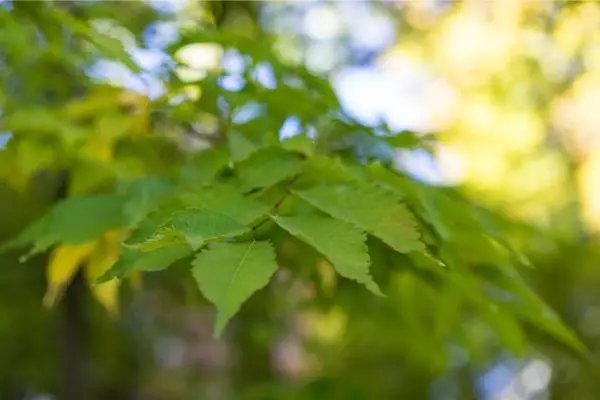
pixel 507 88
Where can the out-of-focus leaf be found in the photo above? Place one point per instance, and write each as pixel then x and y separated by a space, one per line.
pixel 64 263
pixel 34 120
pixel 75 220
pixel 300 143
pixel 104 256
pixel 142 197
pixel 88 176
pixel 204 168
pixel 108 45
pixel 268 167
pixel 240 146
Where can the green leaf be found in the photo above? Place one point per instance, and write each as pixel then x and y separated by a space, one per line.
pixel 229 273
pixel 240 146
pixel 90 176
pixel 197 226
pixel 324 170
pixel 205 167
pixel 268 167
pixel 132 260
pixel 40 120
pixel 528 306
pixel 74 220
pixel 369 207
pixel 405 139
pixel 343 244
pixel 299 143
pixel 143 196
pixel 110 47
pixel 228 201
pixel 215 213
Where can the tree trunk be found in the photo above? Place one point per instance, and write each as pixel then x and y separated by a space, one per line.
pixel 73 337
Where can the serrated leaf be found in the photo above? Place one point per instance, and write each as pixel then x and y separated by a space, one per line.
pixel 369 207
pixel 228 201
pixel 132 260
pixel 74 220
pixel 197 226
pixel 215 213
pixel 343 244
pixel 268 167
pixel 229 273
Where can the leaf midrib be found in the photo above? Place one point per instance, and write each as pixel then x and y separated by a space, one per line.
pixel 236 273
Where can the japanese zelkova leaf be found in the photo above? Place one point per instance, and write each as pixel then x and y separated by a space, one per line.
pixel 229 273
pixel 342 243
pixel 132 260
pixel 226 200
pixel 65 260
pixel 369 207
pixel 215 213
pixel 268 167
pixel 74 220
pixel 198 225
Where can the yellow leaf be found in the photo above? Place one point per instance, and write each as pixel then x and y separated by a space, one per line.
pixel 64 262
pixel 103 257
pixel 10 171
pixel 102 99
pixel 135 280
pixel 99 148
pixel 138 108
